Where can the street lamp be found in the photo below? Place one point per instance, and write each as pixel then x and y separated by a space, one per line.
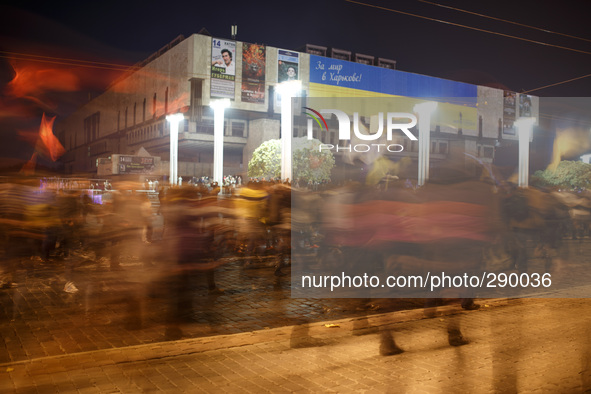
pixel 174 120
pixel 287 90
pixel 525 127
pixel 218 139
pixel 424 110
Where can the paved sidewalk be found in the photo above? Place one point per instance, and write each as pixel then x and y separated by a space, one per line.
pixel 526 345
pixel 38 318
pixel 110 336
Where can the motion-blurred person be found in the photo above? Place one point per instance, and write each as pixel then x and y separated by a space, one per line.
pixel 279 222
pixel 69 210
pixel 250 205
pixel 125 225
pixel 27 217
pixel 442 228
pixel 532 216
pixel 190 238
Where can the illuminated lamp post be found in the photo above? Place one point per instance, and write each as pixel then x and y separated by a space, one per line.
pixel 174 120
pixel 424 110
pixel 525 127
pixel 287 90
pixel 218 139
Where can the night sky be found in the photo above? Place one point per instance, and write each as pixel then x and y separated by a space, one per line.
pixel 125 32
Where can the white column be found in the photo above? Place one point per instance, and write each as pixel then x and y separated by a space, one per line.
pixel 287 90
pixel 525 127
pixel 424 110
pixel 174 147
pixel 218 139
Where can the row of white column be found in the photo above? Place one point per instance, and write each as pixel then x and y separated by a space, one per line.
pixel 290 89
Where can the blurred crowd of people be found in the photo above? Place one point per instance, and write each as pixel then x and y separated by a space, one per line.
pixel 450 222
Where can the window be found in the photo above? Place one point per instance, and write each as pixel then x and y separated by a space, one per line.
pixel 134 113
pixel 87 129
pixel 196 109
pixel 166 102
pixel 480 127
pixel 91 126
pixel 205 126
pixel 154 106
pixel 144 111
pixel 443 148
pixel 488 152
pixel 238 129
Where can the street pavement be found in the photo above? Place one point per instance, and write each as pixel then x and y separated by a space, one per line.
pixel 516 346
pixel 109 335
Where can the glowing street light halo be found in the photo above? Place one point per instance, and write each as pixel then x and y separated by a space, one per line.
pixel 218 107
pixel 424 110
pixel 525 128
pixel 287 90
pixel 174 120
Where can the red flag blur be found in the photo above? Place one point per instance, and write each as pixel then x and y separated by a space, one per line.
pixel 50 145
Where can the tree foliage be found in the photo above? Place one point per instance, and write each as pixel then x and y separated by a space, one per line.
pixel 308 162
pixel 568 175
pixel 266 160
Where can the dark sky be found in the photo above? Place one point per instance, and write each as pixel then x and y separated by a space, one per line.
pixel 125 32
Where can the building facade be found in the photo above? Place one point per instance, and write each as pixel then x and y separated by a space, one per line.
pixel 187 75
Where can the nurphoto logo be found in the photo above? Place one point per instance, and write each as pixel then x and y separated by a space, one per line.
pixel 393 122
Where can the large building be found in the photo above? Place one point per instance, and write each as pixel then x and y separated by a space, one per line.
pixel 107 134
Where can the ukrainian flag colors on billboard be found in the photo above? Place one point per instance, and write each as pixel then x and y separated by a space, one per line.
pixel 338 78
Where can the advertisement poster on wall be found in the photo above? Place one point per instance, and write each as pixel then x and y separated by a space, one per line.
pixel 524 105
pixel 288 65
pixel 136 165
pixel 340 78
pixel 509 105
pixel 253 73
pixel 223 68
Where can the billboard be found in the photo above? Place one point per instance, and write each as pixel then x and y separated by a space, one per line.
pixel 509 105
pixel 525 104
pixel 335 78
pixel 136 165
pixel 288 65
pixel 253 73
pixel 223 68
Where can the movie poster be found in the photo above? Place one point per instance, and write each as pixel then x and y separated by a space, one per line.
pixel 253 73
pixel 223 68
pixel 524 105
pixel 288 65
pixel 509 106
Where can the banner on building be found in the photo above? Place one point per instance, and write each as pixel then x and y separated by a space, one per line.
pixel 136 165
pixel 509 105
pixel 333 77
pixel 253 73
pixel 288 65
pixel 525 105
pixel 223 68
